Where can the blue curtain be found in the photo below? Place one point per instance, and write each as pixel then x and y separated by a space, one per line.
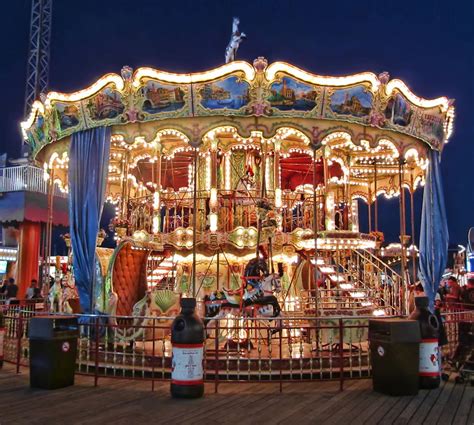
pixel 88 169
pixel 434 236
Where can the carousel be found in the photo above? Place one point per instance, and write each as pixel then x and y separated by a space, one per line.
pixel 240 186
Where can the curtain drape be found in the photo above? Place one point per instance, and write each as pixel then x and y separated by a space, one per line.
pixel 434 236
pixel 88 169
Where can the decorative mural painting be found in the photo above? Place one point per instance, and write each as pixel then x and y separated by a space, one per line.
pixel 230 93
pixel 67 115
pixel 290 94
pixel 271 91
pixel 38 132
pixel 356 101
pixel 160 97
pixel 107 104
pixel 430 125
pixel 399 111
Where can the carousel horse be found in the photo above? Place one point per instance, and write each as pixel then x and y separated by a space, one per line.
pixel 260 296
pixel 55 297
pixel 69 298
pixel 235 40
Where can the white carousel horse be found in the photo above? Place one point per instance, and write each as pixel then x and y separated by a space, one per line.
pixel 55 296
pixel 235 40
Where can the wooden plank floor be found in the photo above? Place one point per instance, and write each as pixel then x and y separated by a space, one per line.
pixel 128 402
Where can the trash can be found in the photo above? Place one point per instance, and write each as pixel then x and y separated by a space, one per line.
pixel 53 349
pixel 394 352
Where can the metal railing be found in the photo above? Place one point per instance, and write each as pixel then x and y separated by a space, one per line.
pixel 377 275
pixel 25 178
pixel 237 349
pixel 235 209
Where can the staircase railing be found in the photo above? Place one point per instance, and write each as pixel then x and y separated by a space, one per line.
pixel 376 274
pixel 367 273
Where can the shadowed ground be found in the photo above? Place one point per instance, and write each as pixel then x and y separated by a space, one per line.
pixel 131 402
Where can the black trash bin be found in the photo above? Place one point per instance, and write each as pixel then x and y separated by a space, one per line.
pixel 394 351
pixel 53 349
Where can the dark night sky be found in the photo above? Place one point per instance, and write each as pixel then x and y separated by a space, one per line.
pixel 428 44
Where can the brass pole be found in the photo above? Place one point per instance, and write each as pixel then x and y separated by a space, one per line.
pixel 217 268
pixel 376 215
pixel 412 219
pixel 315 232
pixel 262 192
pixel 402 226
pixel 194 220
pixel 369 210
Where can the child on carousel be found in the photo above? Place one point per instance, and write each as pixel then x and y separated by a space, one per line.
pixel 257 268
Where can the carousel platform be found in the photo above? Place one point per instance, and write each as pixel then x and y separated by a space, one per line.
pixel 124 401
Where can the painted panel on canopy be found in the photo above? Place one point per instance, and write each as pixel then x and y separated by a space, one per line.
pixel 289 94
pixel 156 98
pixel 429 125
pixel 38 133
pixel 105 106
pixel 351 103
pixel 228 95
pixel 399 112
pixel 67 118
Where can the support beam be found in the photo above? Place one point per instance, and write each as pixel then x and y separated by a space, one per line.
pixel 28 254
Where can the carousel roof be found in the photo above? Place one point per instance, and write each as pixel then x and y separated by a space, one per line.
pixel 263 97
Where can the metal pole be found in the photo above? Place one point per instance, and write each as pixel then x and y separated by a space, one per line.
pixel 369 210
pixel 315 234
pixel 412 219
pixel 217 268
pixel 125 170
pixel 402 227
pixel 194 220
pixel 376 215
pixel 262 192
pixel 49 227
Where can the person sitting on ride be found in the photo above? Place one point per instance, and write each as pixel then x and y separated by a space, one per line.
pixel 257 268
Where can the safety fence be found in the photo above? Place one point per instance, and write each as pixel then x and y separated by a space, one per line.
pixel 458 319
pixel 288 349
pixel 26 178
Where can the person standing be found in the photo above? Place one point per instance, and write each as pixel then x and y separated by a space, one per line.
pixel 12 289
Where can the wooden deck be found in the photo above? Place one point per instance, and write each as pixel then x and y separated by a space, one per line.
pixel 132 402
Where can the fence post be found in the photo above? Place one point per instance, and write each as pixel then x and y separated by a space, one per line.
pixel 18 344
pixel 153 357
pixel 216 358
pixel 280 339
pixel 341 355
pixel 96 368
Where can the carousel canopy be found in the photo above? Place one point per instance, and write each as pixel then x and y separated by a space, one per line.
pixel 315 105
pixel 367 126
